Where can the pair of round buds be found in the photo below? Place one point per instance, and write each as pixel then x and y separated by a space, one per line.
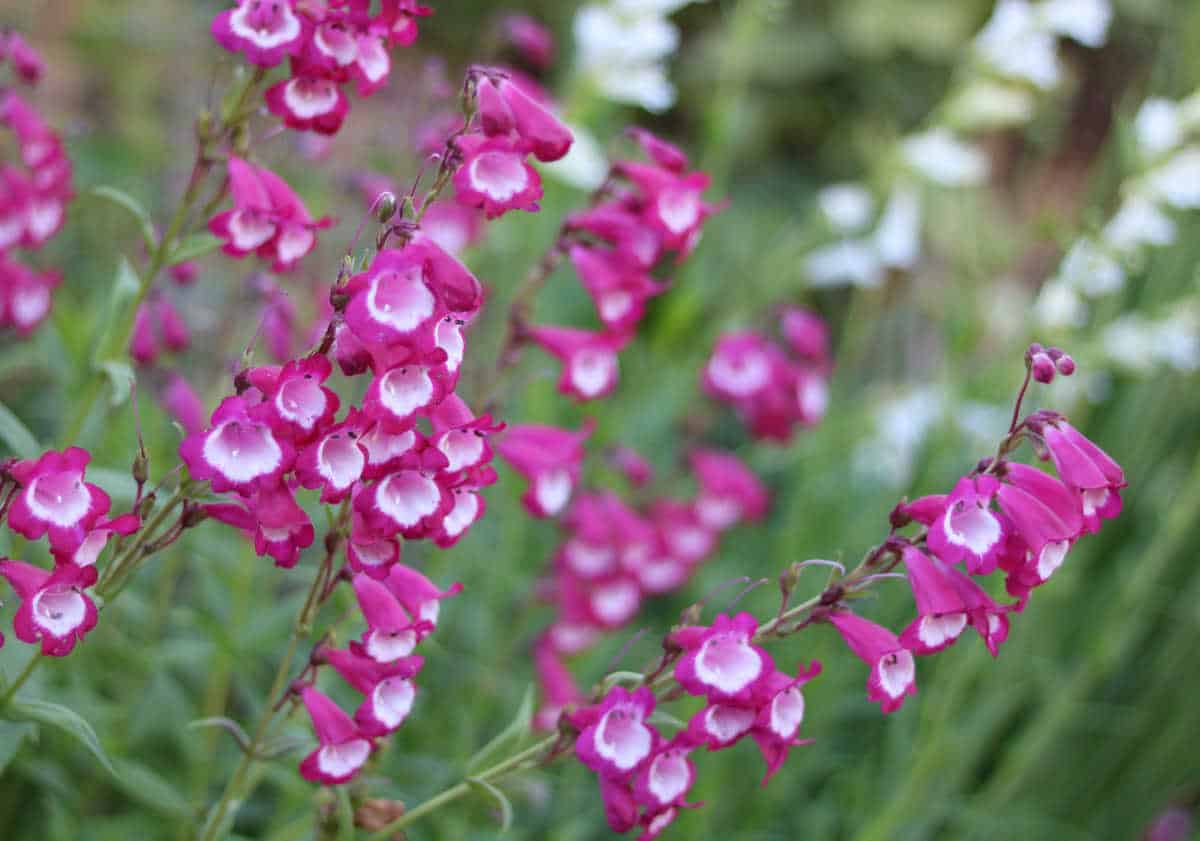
pixel 1045 362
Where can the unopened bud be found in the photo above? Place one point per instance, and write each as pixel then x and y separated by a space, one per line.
pixel 373 814
pixel 691 615
pixel 141 467
pixel 385 207
pixel 789 578
pixel 146 507
pixel 193 515
pixel 1042 367
pixel 1065 365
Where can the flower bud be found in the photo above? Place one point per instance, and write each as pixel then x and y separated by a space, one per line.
pixel 385 207
pixel 1065 365
pixel 1042 367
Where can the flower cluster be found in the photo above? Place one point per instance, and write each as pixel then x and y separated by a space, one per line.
pixel 34 192
pixel 513 121
pixel 329 44
pixel 614 556
pixel 49 497
pixel 652 209
pixel 773 390
pixel 400 610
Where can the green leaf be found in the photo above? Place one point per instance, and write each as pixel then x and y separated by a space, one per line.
pixel 65 719
pixel 660 718
pixel 148 788
pixel 133 206
pixel 13 734
pixel 517 729
pixel 121 377
pixel 227 724
pixel 498 797
pixel 345 815
pixel 191 247
pixel 17 435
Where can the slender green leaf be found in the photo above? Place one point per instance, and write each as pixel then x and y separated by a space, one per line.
pixel 123 200
pixel 151 790
pixel 191 247
pixel 517 729
pixel 345 815
pixel 65 719
pixel 227 724
pixel 498 797
pixel 16 435
pixel 121 377
pixel 13 734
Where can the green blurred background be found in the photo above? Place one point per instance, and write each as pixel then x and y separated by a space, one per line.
pixel 1087 725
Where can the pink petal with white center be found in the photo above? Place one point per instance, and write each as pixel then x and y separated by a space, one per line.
pixel 499 175
pixel 895 673
pixel 1051 557
pixel 666 778
pixel 266 25
pixel 407 498
pixel 728 665
pixel 552 491
pixel 301 401
pixel 468 507
pixel 592 372
pixel 448 336
pixel 340 762
pixel 588 560
pixel 294 243
pixel 391 702
pixel 242 453
pixel 59 499
pixel 385 449
pixel 740 366
pixel 403 391
pixel 720 725
pixel 389 302
pixel 622 740
pixel 463 448
pixel 495 177
pixel 615 603
pixel 372 65
pixel 249 230
pixel 389 646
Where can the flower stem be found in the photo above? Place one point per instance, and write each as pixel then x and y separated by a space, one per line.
pixel 119 569
pixel 20 679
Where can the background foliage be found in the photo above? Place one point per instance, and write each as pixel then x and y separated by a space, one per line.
pixel 1086 725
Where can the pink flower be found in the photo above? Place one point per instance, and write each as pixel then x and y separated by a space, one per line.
pixel 505 107
pixel 96 539
pixel 25 295
pixel 554 679
pixel 183 404
pixel 533 42
pixel 418 595
pixel 893 672
pixel 26 61
pixel 388 688
pixel 298 406
pixel 342 749
pixel 280 527
pixel 666 155
pixel 241 451
pixel 410 502
pixel 335 461
pixel 968 530
pixel 391 632
pixel 368 552
pixel 729 491
pixel 589 359
pixel 398 395
pixel 264 30
pixel 941 611
pixel 720 725
pixel 1085 467
pixel 665 780
pixel 55 499
pixel 615 739
pixel 617 284
pixel 780 716
pixel 807 334
pixel 740 368
pixel 550 458
pixel 453 227
pixel 309 103
pixel 721 662
pixel 495 177
pixel 54 609
pixel 674 207
pixel 461 436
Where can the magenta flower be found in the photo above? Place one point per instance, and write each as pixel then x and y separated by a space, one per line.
pixel 495 177
pixel 514 109
pixel 279 526
pixel 25 295
pixel 780 717
pixel 410 502
pixel 622 228
pixel 969 530
pixel 729 490
pixel 532 41
pixel 342 749
pixel 720 725
pixel 1086 468
pixel 461 436
pixel 389 451
pixel 26 61
pixel 941 611
pixel 741 367
pixel 309 103
pixel 396 396
pixel 299 406
pixel 807 334
pixel 721 662
pixel 54 608
pixel 674 206
pixel 240 452
pixel 183 403
pixel 684 533
pixel 392 299
pixel 987 617
pixel 615 739
pixel 263 30
pixel 419 596
pixel 96 539
pixel 589 359
pixel 555 681
pixel 664 154
pixel 54 499
pixel 391 632
pixel 388 688
pixel 550 458
pixel 618 285
pixel 665 780
pixel 335 461
pixel 893 672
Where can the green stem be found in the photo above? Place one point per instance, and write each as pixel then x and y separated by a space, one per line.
pixel 119 568
pixel 20 679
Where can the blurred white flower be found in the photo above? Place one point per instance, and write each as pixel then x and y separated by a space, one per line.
pixel 846 262
pixel 1138 222
pixel 1177 182
pixel 1157 127
pixel 901 424
pixel 1085 21
pixel 941 157
pixel 584 166
pixel 1090 269
pixel 898 234
pixel 848 207
pixel 1058 305
pixel 985 105
pixel 1142 345
pixel 1015 43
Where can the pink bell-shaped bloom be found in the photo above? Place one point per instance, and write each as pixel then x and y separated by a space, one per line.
pixel 617 284
pixel 54 609
pixel 457 289
pixel 555 681
pixel 388 688
pixel 392 299
pixel 550 458
pixel 729 491
pixel 410 502
pixel 279 526
pixel 372 64
pixel 97 538
pixel 308 103
pixel 398 394
pixel 621 228
pixel 684 533
pixel 389 451
pixel 143 344
pixel 807 335
pixel 969 530
pixel 1045 516
pixel 240 451
pixel 674 203
pixel 665 780
pixel 987 617
pixel 620 809
pixel 780 716
pixel 418 595
pixel 721 662
pixel 720 725
pixel 368 552
pixel 546 136
pixel 263 30
pixel 893 672
pixel 532 41
pixel 54 499
pixel 495 177
pixel 467 506
pixel 183 404
pixel 740 368
pixel 589 359
pixel 26 296
pixel 175 333
pixel 461 436
pixel 453 227
pixel 26 61
pixel 300 407
pixel 1086 468
pixel 391 632
pixel 666 155
pixel 941 611
pixel 615 738
pixel 342 750
pixel 335 460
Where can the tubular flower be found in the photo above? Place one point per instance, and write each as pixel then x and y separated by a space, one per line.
pixel 720 662
pixel 968 530
pixel 893 673
pixel 54 609
pixel 54 499
pixel 615 739
pixel 342 748
pixel 240 452
pixel 780 716
pixel 941 611
pixel 550 458
pixel 589 359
